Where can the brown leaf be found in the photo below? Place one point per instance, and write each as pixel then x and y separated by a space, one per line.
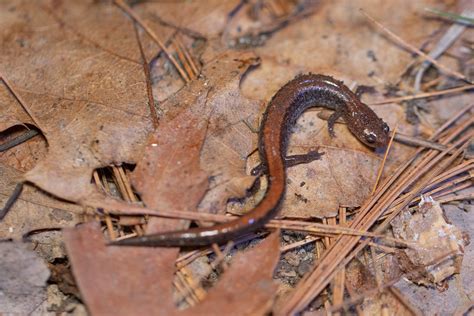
pixel 129 280
pixel 338 40
pixel 203 135
pixel 170 165
pixel 12 113
pixel 89 100
pixel 340 178
pixel 34 210
pixel 208 20
pixel 361 281
pixel 252 23
pixel 247 287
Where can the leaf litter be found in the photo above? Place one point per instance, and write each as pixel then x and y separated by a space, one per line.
pixel 109 89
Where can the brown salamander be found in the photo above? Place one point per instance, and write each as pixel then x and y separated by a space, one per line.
pixel 286 106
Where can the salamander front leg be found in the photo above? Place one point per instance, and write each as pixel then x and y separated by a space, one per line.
pixel 332 120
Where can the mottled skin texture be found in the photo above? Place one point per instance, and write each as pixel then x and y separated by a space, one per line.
pixel 287 105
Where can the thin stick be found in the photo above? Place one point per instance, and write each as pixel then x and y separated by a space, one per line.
pixel 22 103
pixel 11 200
pixel 146 70
pixel 308 240
pixel 423 95
pixel 183 60
pixel 18 140
pixel 382 165
pixel 418 142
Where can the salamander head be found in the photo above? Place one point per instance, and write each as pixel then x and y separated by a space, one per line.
pixel 368 127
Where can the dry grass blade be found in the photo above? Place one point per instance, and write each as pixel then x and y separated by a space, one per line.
pixel 407 176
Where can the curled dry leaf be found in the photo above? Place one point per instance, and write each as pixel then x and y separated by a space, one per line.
pixel 89 100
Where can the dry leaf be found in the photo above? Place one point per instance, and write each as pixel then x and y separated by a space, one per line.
pixel 439 246
pixel 360 280
pixel 12 112
pixel 340 178
pixel 338 40
pixel 34 210
pixel 113 279
pixel 208 118
pixel 208 19
pixel 247 287
pixel 129 280
pixel 89 100
pixel 23 277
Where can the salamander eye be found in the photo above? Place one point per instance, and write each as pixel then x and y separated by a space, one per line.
pixel 385 127
pixel 370 138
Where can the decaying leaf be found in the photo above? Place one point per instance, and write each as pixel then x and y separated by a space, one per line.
pixel 338 40
pixel 23 277
pixel 439 249
pixel 77 67
pixel 361 281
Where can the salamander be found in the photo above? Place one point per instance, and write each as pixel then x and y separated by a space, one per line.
pixel 286 106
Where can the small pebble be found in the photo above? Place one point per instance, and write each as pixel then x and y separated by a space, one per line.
pixel 304 267
pixel 288 274
pixel 292 258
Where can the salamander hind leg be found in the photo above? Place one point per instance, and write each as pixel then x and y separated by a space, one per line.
pixel 310 156
pixel 290 161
